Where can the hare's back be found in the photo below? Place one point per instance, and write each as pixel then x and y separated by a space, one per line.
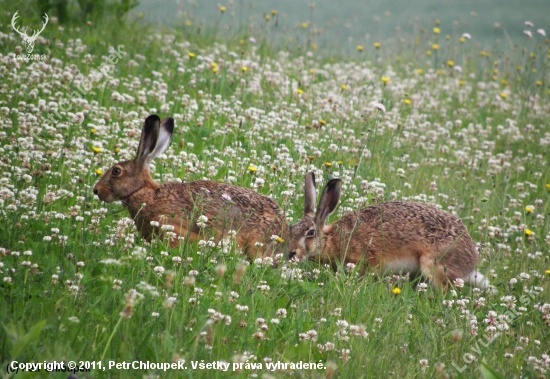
pixel 407 221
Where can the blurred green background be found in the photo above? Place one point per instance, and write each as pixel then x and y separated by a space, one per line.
pixel 349 23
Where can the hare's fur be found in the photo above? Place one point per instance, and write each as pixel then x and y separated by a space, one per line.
pixel 254 217
pixel 391 236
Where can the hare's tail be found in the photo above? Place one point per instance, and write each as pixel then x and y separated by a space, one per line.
pixel 477 279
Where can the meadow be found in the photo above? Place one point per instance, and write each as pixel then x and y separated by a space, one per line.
pixel 428 117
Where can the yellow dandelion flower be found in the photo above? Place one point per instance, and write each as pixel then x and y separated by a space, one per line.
pixel 547 272
pixel 435 46
pixel 274 12
pixel 252 169
pixel 99 172
pixel 503 95
pixel 437 30
pixel 539 83
pixel 117 150
pixel 359 47
pixel 461 82
pixel 191 55
pixel 529 209
pixel 244 68
pixel 504 82
pixel 547 185
pixel 419 71
pixel 93 131
pixel 96 149
pixel 280 240
pixel 398 58
pixel 300 91
pixel 223 9
pixel 447 37
pixel 428 53
pixel 322 122
pixel 267 17
pixel 327 164
pixel 311 157
pixel 407 101
pixel 396 291
pixel 462 39
pixel 385 79
pixel 304 25
pixel 344 87
pixel 534 70
pixel 450 63
pixel 188 23
pixel 215 70
pixel 438 21
pixel 340 163
pixel 314 46
pixel 377 45
pixel 213 64
pixel 528 232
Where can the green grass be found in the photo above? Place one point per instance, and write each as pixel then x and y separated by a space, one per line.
pixel 473 142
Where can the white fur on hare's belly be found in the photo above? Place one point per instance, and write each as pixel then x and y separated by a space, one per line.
pixel 401 266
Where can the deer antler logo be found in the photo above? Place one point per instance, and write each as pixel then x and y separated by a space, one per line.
pixel 29 40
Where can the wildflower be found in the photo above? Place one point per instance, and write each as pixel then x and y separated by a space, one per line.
pixel 304 25
pixel 462 39
pixel 274 12
pixel 191 55
pixel 385 79
pixel 96 149
pixel 244 68
pixel 252 169
pixel 327 164
pixel 435 46
pixel 280 240
pixel 539 83
pixel 359 47
pixel 300 91
pixel 117 150
pixel 437 30
pixel 223 9
pixel 528 232
pixel 377 45
pixel 541 32
pixel 420 71
pixel 503 95
pixel 450 63
pixel 396 291
pixel 322 122
pixel 407 101
pixel 547 272
pixel 344 87
pixel 529 209
pixel 93 131
pixel 99 172
pixel 380 107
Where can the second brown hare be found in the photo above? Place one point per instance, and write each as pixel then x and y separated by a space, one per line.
pixel 182 206
pixel 391 237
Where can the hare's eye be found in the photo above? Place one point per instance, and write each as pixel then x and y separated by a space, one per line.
pixel 116 171
pixel 310 233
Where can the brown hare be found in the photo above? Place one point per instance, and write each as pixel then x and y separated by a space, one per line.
pixel 391 237
pixel 254 217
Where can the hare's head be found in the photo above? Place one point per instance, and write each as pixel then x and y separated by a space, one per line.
pixel 306 236
pixel 127 177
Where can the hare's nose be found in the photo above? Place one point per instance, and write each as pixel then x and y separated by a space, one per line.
pixel 95 191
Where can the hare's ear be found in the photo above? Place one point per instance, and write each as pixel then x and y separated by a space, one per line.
pixel 164 137
pixel 310 195
pixel 329 201
pixel 148 141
